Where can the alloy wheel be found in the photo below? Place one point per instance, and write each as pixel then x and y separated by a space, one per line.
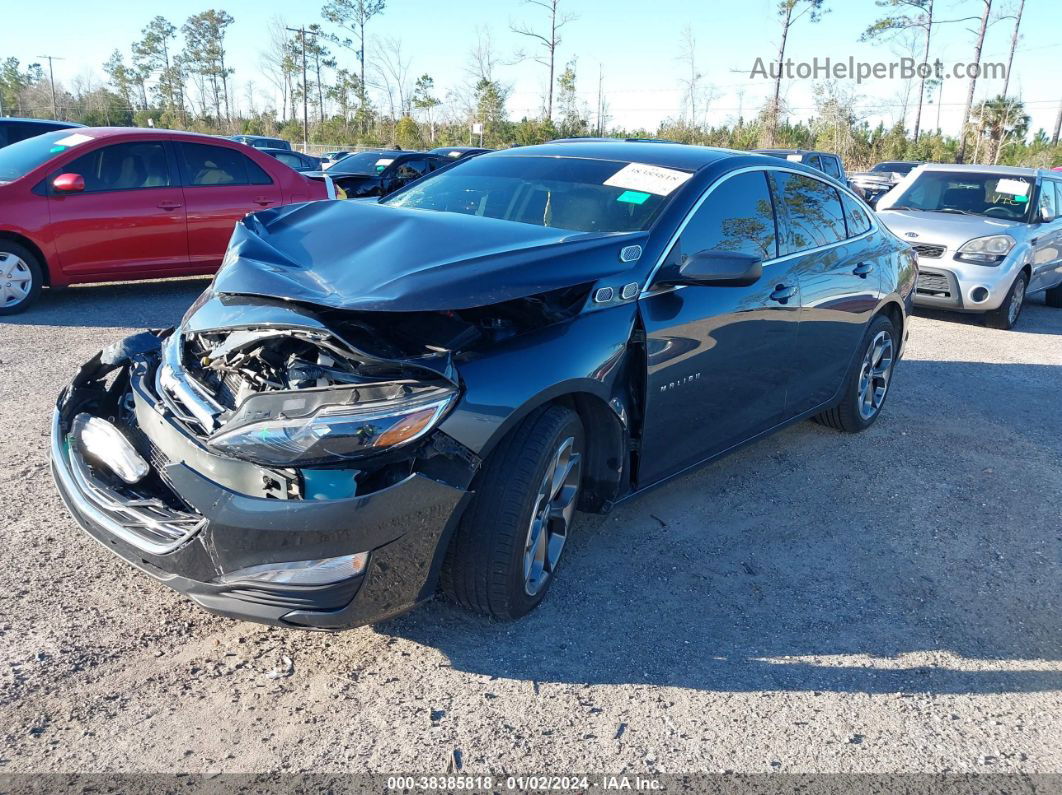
pixel 874 375
pixel 552 515
pixel 1017 296
pixel 16 279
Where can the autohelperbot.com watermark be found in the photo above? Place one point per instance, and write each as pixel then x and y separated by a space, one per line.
pixel 827 68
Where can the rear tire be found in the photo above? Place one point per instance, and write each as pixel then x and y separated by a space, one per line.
pixel 1053 297
pixel 21 277
pixel 1010 310
pixel 504 554
pixel 867 384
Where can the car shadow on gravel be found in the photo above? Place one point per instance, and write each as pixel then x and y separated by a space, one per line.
pixel 146 304
pixel 815 561
pixel 1036 318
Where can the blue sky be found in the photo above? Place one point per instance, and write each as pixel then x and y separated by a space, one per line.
pixel 635 44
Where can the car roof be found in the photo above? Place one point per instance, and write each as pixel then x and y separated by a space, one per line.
pixel 656 153
pixel 1012 171
pixel 270 149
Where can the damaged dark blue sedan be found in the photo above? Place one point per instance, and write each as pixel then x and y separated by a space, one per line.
pixel 375 399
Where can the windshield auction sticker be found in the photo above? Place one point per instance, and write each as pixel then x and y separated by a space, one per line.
pixel 1015 187
pixel 73 140
pixel 648 179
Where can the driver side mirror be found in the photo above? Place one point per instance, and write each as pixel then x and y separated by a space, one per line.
pixel 714 268
pixel 69 183
pixel 1045 216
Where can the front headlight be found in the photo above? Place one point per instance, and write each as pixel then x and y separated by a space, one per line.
pixel 990 250
pixel 305 429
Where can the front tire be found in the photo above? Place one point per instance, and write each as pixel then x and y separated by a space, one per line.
pixel 1010 310
pixel 867 384
pixel 21 277
pixel 505 552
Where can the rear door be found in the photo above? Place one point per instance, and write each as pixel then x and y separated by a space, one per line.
pixel 718 358
pixel 221 185
pixel 129 220
pixel 839 276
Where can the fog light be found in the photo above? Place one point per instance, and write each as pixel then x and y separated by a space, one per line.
pixel 301 572
pixel 979 295
pixel 106 445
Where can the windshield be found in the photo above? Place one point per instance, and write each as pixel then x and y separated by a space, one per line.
pixel 899 168
pixel 968 193
pixel 364 163
pixel 560 192
pixel 22 157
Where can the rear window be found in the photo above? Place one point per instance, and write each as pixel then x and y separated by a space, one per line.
pixel 22 157
pixel 578 194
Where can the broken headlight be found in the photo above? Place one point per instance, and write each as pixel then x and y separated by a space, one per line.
pixel 300 429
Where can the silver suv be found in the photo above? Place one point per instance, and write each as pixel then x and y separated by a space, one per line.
pixel 986 236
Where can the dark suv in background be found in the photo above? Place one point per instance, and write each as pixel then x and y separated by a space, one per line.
pixel 13 130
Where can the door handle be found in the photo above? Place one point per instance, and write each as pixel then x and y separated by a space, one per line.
pixel 169 205
pixel 782 293
pixel 863 268
pixel 263 201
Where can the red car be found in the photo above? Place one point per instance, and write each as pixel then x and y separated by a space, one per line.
pixel 106 204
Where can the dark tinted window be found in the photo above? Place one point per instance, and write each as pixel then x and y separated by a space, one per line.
pixel 855 215
pixel 830 166
pixel 289 159
pixel 736 216
pixel 216 165
pixel 814 212
pixel 411 169
pixel 814 162
pixel 123 167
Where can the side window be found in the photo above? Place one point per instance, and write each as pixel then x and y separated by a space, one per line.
pixel 830 166
pixel 813 209
pixel 1058 193
pixel 1048 203
pixel 814 162
pixel 411 169
pixel 217 165
pixel 855 215
pixel 123 167
pixel 289 159
pixel 737 216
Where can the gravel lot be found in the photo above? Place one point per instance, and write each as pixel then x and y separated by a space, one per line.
pixel 817 602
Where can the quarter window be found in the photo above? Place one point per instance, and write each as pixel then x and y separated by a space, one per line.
pixel 855 215
pixel 123 167
pixel 813 209
pixel 217 165
pixel 737 216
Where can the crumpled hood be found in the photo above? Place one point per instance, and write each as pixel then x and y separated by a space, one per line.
pixel 946 229
pixel 367 256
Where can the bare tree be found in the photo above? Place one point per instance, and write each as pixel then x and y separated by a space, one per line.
pixel 986 10
pixel 547 42
pixel 691 79
pixel 276 61
pixel 1013 44
pixel 789 12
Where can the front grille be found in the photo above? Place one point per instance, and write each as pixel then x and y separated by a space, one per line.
pixel 933 284
pixel 929 251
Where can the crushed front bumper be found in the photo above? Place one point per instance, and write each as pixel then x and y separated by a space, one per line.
pixel 203 530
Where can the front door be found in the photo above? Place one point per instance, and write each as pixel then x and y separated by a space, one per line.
pixel 129 220
pixel 1046 257
pixel 719 358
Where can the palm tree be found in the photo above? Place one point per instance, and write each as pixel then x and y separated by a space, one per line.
pixel 1000 120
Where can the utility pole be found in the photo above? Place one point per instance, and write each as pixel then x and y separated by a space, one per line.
pixel 1058 126
pixel 600 107
pixel 305 92
pixel 51 79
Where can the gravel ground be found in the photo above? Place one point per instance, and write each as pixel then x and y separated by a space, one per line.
pixel 817 602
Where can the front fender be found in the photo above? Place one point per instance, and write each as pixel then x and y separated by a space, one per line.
pixel 504 385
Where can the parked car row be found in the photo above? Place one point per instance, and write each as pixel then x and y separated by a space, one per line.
pixel 375 398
